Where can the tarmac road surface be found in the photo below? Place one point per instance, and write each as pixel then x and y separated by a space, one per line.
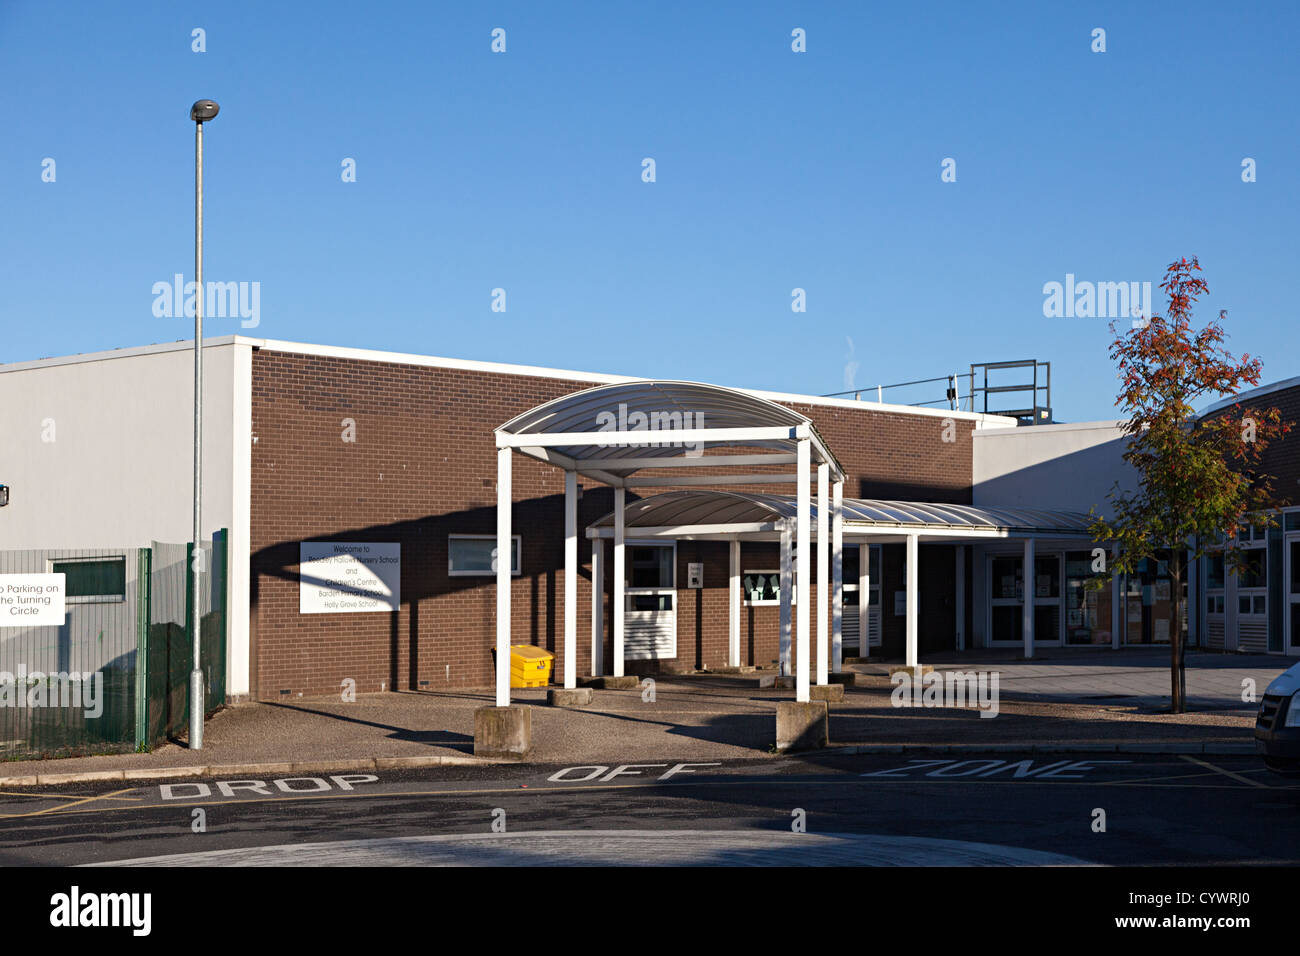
pixel 811 810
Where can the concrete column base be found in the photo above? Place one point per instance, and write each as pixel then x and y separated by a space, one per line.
pixel 503 732
pixel 569 697
pixel 777 681
pixel 626 682
pixel 801 726
pixel 848 678
pixel 916 673
pixel 826 691
pixel 860 660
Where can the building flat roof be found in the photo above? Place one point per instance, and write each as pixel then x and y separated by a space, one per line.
pixel 980 419
pixel 1253 394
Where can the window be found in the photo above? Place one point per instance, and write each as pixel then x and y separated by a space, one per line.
pixel 764 587
pixel 1252 533
pixel 651 566
pixel 1214 604
pixel 1293 521
pixel 93 580
pixel 474 555
pixel 651 576
pixel 1214 572
pixel 1006 583
pixel 1047 577
pixel 1253 574
pixel 852 574
pixel 1087 609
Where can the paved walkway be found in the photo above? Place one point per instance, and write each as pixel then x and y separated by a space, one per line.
pixel 1138 676
pixel 1104 701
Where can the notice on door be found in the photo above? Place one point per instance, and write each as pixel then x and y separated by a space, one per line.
pixel 339 577
pixel 32 600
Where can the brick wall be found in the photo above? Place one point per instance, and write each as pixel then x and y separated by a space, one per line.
pixel 1281 459
pixel 423 466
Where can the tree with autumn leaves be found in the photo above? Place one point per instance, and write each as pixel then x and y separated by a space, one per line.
pixel 1198 478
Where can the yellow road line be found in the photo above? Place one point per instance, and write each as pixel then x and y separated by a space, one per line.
pixel 65 806
pixel 29 793
pixel 1227 773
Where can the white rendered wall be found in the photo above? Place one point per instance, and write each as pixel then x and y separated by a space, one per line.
pixel 119 470
pixel 1053 467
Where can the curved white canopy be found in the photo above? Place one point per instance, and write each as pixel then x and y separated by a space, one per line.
pixel 714 508
pixel 616 430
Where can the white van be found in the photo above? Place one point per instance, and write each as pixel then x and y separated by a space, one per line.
pixel 1277 728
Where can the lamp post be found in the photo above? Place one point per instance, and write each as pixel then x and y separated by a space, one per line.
pixel 201 112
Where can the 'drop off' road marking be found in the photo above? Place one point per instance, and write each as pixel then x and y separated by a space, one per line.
pixel 599 773
pixel 262 788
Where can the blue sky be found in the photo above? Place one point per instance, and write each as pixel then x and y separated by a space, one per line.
pixel 775 170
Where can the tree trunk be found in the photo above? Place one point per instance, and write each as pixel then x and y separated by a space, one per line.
pixel 1177 660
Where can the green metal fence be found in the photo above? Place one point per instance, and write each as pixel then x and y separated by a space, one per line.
pixel 170 642
pixel 115 676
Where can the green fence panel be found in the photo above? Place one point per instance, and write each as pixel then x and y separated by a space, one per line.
pixel 125 631
pixel 171 647
pixel 70 689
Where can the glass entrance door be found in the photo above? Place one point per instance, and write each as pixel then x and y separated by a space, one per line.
pixel 1006 599
pixel 1047 599
pixel 1292 619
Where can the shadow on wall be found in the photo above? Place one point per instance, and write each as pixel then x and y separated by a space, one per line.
pixel 876 489
pixel 424 543
pixel 1075 481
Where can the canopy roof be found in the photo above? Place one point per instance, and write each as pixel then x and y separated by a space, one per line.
pixel 679 420
pixel 685 509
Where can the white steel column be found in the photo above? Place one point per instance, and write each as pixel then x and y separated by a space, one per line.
pixel 598 607
pixel 733 606
pixel 787 592
pixel 570 579
pixel 1118 617
pixel 803 585
pixel 1231 617
pixel 505 500
pixel 961 597
pixel 864 598
pixel 913 558
pixel 620 502
pixel 1027 591
pixel 823 571
pixel 837 577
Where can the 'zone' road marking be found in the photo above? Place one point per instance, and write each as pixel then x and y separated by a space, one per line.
pixel 1021 769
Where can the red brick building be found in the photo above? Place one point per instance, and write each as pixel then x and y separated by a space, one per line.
pixel 422 469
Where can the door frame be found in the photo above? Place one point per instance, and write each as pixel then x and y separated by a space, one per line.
pixel 1290 642
pixel 1059 639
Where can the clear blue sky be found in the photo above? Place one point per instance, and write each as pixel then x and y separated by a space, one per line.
pixel 775 170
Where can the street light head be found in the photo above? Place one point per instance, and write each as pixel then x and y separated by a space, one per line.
pixel 204 110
